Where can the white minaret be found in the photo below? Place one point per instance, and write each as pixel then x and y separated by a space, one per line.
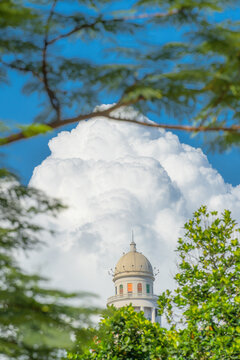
pixel 133 278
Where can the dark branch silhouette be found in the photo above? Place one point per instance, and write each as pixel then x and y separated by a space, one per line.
pixel 51 94
pixel 107 114
pixel 59 121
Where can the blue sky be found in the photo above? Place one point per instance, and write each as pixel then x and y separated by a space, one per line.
pixel 24 155
pixel 17 108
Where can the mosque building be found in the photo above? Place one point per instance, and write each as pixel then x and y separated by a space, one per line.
pixel 133 278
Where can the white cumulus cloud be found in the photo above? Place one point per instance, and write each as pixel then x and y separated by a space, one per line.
pixel 116 177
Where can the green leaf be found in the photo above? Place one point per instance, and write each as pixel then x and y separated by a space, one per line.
pixel 34 129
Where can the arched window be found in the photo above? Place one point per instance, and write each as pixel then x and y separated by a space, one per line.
pixel 139 288
pixel 121 289
pixel 115 290
pixel 148 289
pixel 129 288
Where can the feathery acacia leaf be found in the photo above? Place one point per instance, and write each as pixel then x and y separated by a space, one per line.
pixel 36 321
pixel 194 75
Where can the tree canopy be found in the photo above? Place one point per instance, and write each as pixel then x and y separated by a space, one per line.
pixel 36 321
pixel 125 334
pixel 203 311
pixel 192 75
pixel 205 305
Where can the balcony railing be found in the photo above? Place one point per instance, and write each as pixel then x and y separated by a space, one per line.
pixel 132 296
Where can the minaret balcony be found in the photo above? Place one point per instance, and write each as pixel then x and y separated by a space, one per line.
pixel 130 296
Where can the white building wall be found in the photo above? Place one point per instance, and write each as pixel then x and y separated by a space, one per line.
pixel 135 281
pixel 146 302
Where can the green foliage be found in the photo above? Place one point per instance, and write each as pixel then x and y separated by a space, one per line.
pixel 194 76
pixel 203 312
pixel 35 129
pixel 125 334
pixel 36 322
pixel 14 13
pixel 207 296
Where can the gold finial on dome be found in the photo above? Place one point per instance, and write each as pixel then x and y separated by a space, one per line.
pixel 133 244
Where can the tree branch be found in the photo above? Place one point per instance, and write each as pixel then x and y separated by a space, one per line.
pixel 51 95
pixel 234 128
pixel 22 69
pixel 134 17
pixel 107 113
pixel 74 30
pixel 55 103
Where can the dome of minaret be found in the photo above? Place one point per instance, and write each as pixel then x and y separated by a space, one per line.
pixel 133 263
pixel 133 281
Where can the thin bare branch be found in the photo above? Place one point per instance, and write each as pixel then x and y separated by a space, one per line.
pixel 51 94
pixel 133 17
pixel 107 113
pixel 234 128
pixel 22 69
pixel 73 31
pixel 56 124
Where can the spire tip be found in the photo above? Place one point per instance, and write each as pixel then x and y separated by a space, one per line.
pixel 132 244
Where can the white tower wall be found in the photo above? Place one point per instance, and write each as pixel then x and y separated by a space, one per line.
pixel 133 280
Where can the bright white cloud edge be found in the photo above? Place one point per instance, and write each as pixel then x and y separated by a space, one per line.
pixel 116 177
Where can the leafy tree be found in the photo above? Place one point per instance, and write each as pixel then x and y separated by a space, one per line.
pixel 205 305
pixel 36 322
pixel 125 334
pixel 203 312
pixel 194 75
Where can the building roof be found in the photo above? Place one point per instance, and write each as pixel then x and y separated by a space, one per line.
pixel 133 264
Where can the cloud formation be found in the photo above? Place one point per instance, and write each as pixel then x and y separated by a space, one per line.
pixel 116 177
